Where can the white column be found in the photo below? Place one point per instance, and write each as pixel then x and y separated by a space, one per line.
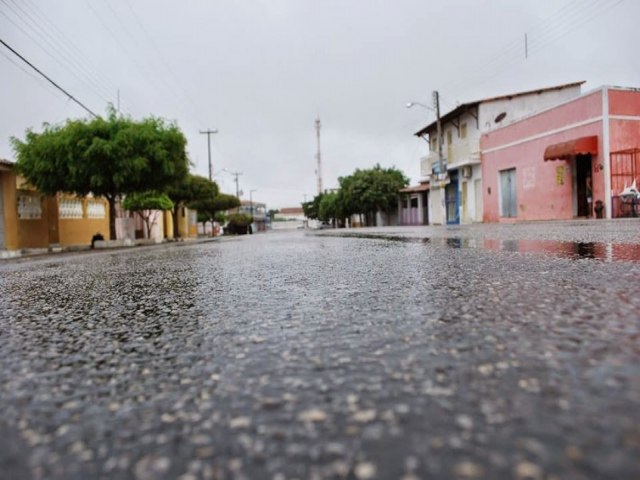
pixel 606 152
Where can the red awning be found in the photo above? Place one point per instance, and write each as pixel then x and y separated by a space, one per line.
pixel 566 150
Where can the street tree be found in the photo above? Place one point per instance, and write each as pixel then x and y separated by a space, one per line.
pixel 192 191
pixel 371 190
pixel 311 209
pixel 331 209
pixel 209 207
pixel 147 205
pixel 108 157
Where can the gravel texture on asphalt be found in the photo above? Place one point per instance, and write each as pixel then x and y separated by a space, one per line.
pixel 284 356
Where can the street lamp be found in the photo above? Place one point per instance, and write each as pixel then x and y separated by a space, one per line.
pixel 436 110
pixel 412 104
pixel 442 173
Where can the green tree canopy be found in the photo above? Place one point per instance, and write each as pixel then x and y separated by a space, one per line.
pixel 224 201
pixel 210 206
pixel 371 190
pixel 146 205
pixel 108 157
pixel 193 191
pixel 311 209
pixel 329 209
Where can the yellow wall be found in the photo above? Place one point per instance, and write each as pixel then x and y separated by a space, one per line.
pixel 168 224
pixel 48 229
pixel 34 233
pixel 183 222
pixel 80 231
pixel 10 210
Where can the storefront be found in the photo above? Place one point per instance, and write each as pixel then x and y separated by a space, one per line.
pixel 565 162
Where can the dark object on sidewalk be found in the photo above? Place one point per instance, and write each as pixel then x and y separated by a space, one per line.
pixel 95 238
pixel 599 208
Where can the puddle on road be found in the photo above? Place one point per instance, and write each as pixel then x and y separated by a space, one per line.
pixel 576 250
pixel 610 252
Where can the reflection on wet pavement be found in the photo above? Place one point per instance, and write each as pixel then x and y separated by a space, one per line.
pixel 607 251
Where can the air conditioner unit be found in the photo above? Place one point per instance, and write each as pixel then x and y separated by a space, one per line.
pixel 466 171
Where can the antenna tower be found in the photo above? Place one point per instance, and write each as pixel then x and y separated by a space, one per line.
pixel 318 158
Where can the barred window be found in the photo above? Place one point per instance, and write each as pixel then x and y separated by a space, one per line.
pixel 29 206
pixel 96 210
pixel 70 208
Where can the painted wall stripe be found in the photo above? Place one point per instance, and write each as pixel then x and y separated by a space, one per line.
pixel 632 118
pixel 544 134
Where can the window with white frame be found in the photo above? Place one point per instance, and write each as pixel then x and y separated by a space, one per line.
pixel 69 208
pixel 29 206
pixel 95 209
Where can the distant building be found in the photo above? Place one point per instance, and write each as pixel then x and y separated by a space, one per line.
pixel 290 218
pixel 258 211
pixel 413 206
pixel 461 199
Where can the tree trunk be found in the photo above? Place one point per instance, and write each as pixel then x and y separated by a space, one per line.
pixel 148 225
pixel 174 213
pixel 112 216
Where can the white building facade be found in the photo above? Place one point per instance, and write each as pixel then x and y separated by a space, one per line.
pixel 458 199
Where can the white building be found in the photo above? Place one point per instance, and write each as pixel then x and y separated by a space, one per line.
pixel 289 218
pixel 460 199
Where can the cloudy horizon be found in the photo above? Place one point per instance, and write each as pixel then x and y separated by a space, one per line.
pixel 261 72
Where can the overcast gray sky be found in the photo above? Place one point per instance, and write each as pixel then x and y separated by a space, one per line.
pixel 261 71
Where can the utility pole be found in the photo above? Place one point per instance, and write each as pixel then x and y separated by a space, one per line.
pixel 208 133
pixel 436 102
pixel 236 174
pixel 318 158
pixel 441 162
pixel 526 47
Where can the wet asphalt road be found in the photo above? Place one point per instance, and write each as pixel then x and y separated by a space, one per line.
pixel 284 356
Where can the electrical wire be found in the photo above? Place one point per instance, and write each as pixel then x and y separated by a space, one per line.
pixel 48 53
pixel 163 60
pixel 71 97
pixel 58 46
pixel 563 22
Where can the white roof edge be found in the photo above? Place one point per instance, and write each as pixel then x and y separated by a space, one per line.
pixel 540 112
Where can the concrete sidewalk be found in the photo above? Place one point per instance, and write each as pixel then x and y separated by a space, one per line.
pixel 105 247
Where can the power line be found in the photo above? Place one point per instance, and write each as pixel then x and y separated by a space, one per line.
pixel 71 97
pixel 164 62
pixel 64 63
pixel 562 22
pixel 62 51
pixel 95 74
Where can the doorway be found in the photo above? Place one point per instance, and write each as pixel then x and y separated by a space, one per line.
pixel 508 194
pixel 452 199
pixel 583 174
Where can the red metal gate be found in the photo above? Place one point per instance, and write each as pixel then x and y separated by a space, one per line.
pixel 625 169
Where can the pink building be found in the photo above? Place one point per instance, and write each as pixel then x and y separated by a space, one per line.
pixel 540 168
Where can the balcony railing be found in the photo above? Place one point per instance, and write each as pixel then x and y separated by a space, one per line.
pixel 463 152
pixel 426 165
